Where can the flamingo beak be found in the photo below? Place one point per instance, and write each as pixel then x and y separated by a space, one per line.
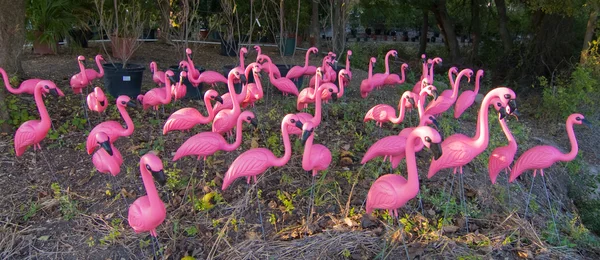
pixel 411 101
pixel 585 122
pixel 516 114
pixel 502 113
pixel 437 125
pixel 299 124
pixel 435 95
pixel 436 148
pixel 172 79
pixel 106 146
pixel 219 99
pixel 54 92
pixel 305 135
pixel 512 104
pixel 346 76
pixel 243 79
pixel 254 122
pixel 160 177
pixel 131 104
pixel 334 96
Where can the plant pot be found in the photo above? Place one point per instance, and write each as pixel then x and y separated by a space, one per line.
pixel 203 33
pixel 284 69
pixel 238 86
pixel 80 37
pixel 289 44
pixel 229 48
pixel 122 47
pixel 191 92
pixel 148 34
pixel 42 47
pixel 123 81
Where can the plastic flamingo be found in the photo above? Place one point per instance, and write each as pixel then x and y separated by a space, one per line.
pixel 285 85
pixel 316 157
pixel 79 80
pixel 209 77
pixel 330 73
pixel 326 95
pixel 107 159
pixel 502 157
pixel 157 75
pixel 382 113
pixel 225 120
pixel 113 129
pixel 431 63
pixel 26 87
pixel 367 85
pixel 267 66
pixel 417 87
pixel 207 143
pixel 444 102
pixel 33 132
pixel 467 97
pixel 256 161
pixel 186 118
pixel 459 150
pixel 158 96
pixel 381 77
pixel 307 95
pixel 148 212
pixel 192 71
pixel 325 68
pixel 394 79
pixel 348 55
pixel 316 119
pixel 97 101
pixel 179 89
pixel 254 91
pixel 300 71
pixel 227 104
pixel 544 156
pixel 91 73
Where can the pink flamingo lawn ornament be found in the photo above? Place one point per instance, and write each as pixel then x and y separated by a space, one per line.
pixel 459 150
pixel 381 77
pixel 395 79
pixel 148 212
pixel 316 158
pixel 207 143
pixel 97 101
pixel 209 77
pixel 267 66
pixel 179 89
pixel 367 85
pixel 382 113
pixel 93 74
pixel 467 97
pixel 79 80
pixel 300 71
pixel 254 90
pixel 544 156
pixel 113 129
pixel 326 69
pixel 307 95
pixel 316 119
pixel 431 63
pixel 186 118
pixel 227 98
pixel 444 102
pixel 502 157
pixel 327 95
pixel 33 132
pixel 418 84
pixel 392 191
pixel 348 71
pixel 285 85
pixel 26 87
pixel 225 120
pixel 157 76
pixel 157 96
pixel 107 159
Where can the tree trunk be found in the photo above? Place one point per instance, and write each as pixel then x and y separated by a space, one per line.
pixel 314 23
pixel 589 33
pixel 475 29
pixel 502 21
pixel 12 38
pixel 338 23
pixel 165 23
pixel 424 27
pixel 445 23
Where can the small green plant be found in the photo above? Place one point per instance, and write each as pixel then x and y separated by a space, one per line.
pixel 272 219
pixel 68 207
pixel 91 241
pixel 274 145
pixel 191 231
pixel 216 223
pixel 114 232
pixel 345 253
pixel 287 199
pixel 174 180
pixel 33 209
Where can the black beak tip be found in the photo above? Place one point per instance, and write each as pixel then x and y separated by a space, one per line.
pixel 412 101
pixel 219 99
pixel 254 122
pixel 435 95
pixel 586 123
pixel 299 124
pixel 131 104
pixel 54 92
pixel 160 177
pixel 243 79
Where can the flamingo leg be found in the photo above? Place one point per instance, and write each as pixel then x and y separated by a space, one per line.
pixel 260 216
pixel 549 204
pixel 507 186
pixel 464 200
pixel 403 242
pixel 84 110
pixel 310 202
pixel 529 196
pixel 158 245
pixel 449 196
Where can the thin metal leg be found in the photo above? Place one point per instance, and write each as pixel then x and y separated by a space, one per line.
pixel 310 202
pixel 507 187
pixel 529 196
pixel 85 111
pixel 449 196
pixel 260 217
pixel 464 202
pixel 550 206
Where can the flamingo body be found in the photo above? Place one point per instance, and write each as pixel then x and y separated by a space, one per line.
pixel 26 87
pixel 467 97
pixel 96 100
pixel 186 118
pixel 113 129
pixel 148 212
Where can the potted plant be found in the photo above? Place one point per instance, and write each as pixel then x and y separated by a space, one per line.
pixel 51 20
pixel 123 22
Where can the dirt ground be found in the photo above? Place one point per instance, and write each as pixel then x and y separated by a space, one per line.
pixel 83 215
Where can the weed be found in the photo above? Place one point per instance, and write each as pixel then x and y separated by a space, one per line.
pixel 208 201
pixel 345 253
pixel 114 232
pixel 288 199
pixel 174 180
pixel 216 223
pixel 68 207
pixel 273 144
pixel 33 209
pixel 91 241
pixel 191 231
pixel 286 179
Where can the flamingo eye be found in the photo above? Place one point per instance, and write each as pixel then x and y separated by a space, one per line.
pixel 507 96
pixel 578 118
pixel 293 121
pixel 123 102
pixel 499 104
pixel 46 87
pixel 249 118
pixel 148 167
pixel 427 139
pixel 330 90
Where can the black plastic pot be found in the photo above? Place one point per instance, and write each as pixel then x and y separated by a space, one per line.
pixel 123 81
pixel 191 92
pixel 238 86
pixel 228 48
pixel 283 69
pixel 148 34
pixel 80 37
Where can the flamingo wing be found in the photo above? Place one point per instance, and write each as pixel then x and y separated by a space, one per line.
pixel 212 77
pixel 296 72
pixel 224 121
pixel 105 163
pixel 25 136
pixel 387 146
pixel 138 211
pixel 464 101
pixel 202 144
pixel 310 70
pixel 392 79
pixel 383 194
pixel 500 159
pixel 538 157
pixel 456 153
pixel 184 119
pixel 320 157
pixel 249 163
pixel 380 113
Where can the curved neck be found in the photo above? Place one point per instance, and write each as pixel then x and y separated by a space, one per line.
pixel 248 71
pixel 84 77
pixel 387 65
pixel 457 84
pixel 232 94
pixel 101 69
pixel 341 85
pixel 209 107
pixel 318 94
pixel 258 85
pixel 7 82
pixel 402 68
pixel 401 109
pixel 287 145
pixel 168 89
pixel 242 60
pixel 150 187
pixel 507 133
pixel 306 59
pixel 481 137
pixel 308 150
pixel 573 140
pixel 127 119
pixel 477 80
pixel 192 68
pixel 424 75
pixel 421 103
pixel 348 62
pixel 451 78
pixel 258 52
pixel 45 118
pixel 411 163
pixel 238 136
pixel 430 76
pixel 370 69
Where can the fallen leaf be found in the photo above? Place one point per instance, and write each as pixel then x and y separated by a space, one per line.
pixel 346 154
pixel 109 216
pixel 522 254
pixel 254 143
pixel 349 222
pixel 450 229
pixel 346 161
pixel 346 147
pixel 431 212
pixel 43 238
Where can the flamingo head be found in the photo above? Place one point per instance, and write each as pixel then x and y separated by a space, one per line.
pixel 349 54
pixel 256 68
pixel 307 129
pixel 244 51
pixel 249 117
pixel 262 58
pixel 183 65
pixel 579 119
pixel 125 101
pixel 257 48
pixel 99 58
pixel 332 55
pixel 154 166
pixel 430 90
pixel 214 95
pixel 241 77
pixel 431 139
pixel 344 74
pixel 182 75
pixel 188 52
pixel 424 82
pixel 437 60
pixel 313 49
pixel 48 87
pixel 153 67
pixel 423 58
pixel 100 95
pixel 291 119
pixel 332 88
pixel 169 77
pixel 104 142
pixel 394 53
pixel 373 60
pixel 404 67
pixel 409 96
pixel 479 74
pixel 319 73
pixel 453 70
pixel 81 58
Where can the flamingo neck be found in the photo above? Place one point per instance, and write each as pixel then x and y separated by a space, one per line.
pixel 258 86
pixel 370 69
pixel 430 76
pixel 127 119
pixel 456 85
pixel 191 68
pixel 318 95
pixel 84 78
pixel 307 151
pixel 402 68
pixel 232 94
pixel 168 90
pixel 258 52
pixel 101 69
pixel 341 85
pixel 242 60
pixel 7 82
pixel 39 101
pixel 451 78
pixel 150 187
pixel 238 136
pixel 402 109
pixel 573 140
pixel 421 103
pixel 508 133
pixel 411 165
pixel 481 138
pixel 348 62
pixel 209 107
pixel 306 60
pixel 287 146
pixel 387 65
pixel 424 75
pixel 477 80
